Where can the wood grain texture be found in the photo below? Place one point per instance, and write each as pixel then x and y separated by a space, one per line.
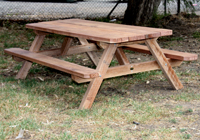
pixel 91 54
pixel 121 57
pixel 152 32
pixel 35 46
pixel 54 63
pixel 95 84
pixel 72 50
pixel 126 69
pixel 184 56
pixel 66 45
pixel 99 31
pixel 163 63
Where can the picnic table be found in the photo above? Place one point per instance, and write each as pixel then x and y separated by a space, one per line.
pixel 113 39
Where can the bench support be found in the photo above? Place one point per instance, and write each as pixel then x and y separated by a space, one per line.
pixel 121 57
pixel 66 45
pixel 163 63
pixel 34 48
pixel 92 55
pixel 129 69
pixel 95 84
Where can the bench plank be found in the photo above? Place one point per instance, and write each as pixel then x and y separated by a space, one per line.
pixel 55 63
pixel 168 53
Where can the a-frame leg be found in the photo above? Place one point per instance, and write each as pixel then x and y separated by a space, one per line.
pixel 95 84
pixel 92 55
pixel 66 45
pixel 121 57
pixel 163 63
pixel 34 48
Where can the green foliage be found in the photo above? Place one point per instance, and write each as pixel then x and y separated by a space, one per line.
pixel 183 130
pixel 186 136
pixel 113 63
pixel 173 121
pixel 196 34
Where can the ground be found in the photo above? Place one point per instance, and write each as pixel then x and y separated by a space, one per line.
pixel 138 106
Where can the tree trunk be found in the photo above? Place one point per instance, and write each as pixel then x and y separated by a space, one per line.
pixel 140 12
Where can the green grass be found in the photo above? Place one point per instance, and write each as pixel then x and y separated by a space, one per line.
pixel 196 34
pixel 186 136
pixel 183 130
pixel 173 121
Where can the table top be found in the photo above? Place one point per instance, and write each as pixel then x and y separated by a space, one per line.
pixel 99 31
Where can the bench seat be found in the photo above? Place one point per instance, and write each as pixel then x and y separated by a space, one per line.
pixel 54 63
pixel 168 53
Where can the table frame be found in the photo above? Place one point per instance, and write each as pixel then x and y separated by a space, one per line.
pixel 110 49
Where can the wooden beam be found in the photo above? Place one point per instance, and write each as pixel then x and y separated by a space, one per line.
pixel 72 50
pixel 95 84
pixel 34 48
pixel 121 57
pixel 66 45
pixel 129 69
pixel 184 56
pixel 37 32
pixel 92 55
pixel 54 63
pixel 163 63
pixel 104 45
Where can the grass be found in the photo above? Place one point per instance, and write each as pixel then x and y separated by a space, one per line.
pixel 48 108
pixel 196 34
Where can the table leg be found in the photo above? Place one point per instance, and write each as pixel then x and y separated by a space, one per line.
pixel 163 63
pixel 34 48
pixel 66 45
pixel 121 57
pixel 95 84
pixel 92 55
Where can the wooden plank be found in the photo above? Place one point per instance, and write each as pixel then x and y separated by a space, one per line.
pixel 40 32
pixel 51 52
pixel 98 31
pixel 90 33
pixel 130 69
pixel 151 32
pixel 17 59
pixel 104 45
pixel 163 63
pixel 72 50
pixel 131 32
pixel 184 56
pixel 51 62
pixel 66 45
pixel 34 48
pixel 121 57
pixel 92 55
pixel 95 84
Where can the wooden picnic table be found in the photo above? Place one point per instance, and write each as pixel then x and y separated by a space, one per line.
pixel 113 38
